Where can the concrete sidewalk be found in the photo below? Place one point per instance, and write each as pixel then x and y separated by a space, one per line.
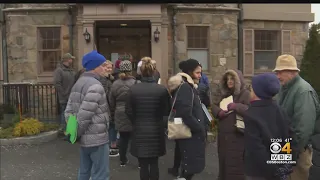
pixel 59 160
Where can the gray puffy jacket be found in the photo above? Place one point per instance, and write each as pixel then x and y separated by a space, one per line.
pixel 89 103
pixel 117 101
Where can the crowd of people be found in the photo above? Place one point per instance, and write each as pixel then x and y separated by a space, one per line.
pixel 118 109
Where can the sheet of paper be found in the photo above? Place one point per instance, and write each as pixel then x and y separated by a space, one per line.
pixel 224 103
pixel 240 124
pixel 177 120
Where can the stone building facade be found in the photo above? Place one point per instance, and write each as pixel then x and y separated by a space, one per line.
pixel 38 34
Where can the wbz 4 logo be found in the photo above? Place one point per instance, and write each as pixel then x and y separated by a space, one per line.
pixel 285 151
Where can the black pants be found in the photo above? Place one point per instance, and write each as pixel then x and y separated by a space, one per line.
pixel 124 142
pixel 149 169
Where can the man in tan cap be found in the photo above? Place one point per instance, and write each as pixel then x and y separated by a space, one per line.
pixel 64 79
pixel 301 103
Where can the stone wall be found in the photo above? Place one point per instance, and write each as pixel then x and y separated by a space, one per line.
pixel 223 38
pixel 22 26
pixel 299 33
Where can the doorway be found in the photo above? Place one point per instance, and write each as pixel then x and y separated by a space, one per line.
pixel 125 40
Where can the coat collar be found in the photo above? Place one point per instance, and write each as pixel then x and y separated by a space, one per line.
pixel 175 81
pixel 64 67
pixel 91 74
pixel 148 79
pixel 291 82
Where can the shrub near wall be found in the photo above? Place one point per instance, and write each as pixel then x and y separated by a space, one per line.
pixel 27 127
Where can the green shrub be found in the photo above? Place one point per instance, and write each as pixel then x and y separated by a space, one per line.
pixel 28 127
pixel 6 133
pixel 311 58
pixel 213 124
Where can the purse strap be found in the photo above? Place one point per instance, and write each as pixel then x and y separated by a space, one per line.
pixel 175 97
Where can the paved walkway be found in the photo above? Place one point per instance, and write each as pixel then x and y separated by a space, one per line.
pixel 59 160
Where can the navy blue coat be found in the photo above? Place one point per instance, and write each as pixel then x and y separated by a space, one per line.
pixel 264 120
pixel 192 150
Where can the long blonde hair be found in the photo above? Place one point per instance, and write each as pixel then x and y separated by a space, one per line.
pixel 147 68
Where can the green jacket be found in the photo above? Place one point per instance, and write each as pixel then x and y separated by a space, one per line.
pixel 301 103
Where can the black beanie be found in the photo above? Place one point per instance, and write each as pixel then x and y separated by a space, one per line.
pixel 188 65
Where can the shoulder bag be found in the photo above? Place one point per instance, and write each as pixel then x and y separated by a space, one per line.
pixel 176 128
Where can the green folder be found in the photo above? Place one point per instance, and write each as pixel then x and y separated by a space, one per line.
pixel 72 128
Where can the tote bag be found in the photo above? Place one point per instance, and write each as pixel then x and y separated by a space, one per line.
pixel 72 129
pixel 176 128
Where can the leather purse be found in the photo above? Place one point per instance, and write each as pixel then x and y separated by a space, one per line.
pixel 176 128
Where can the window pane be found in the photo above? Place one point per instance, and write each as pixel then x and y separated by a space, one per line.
pixel 197 36
pixel 265 60
pixel 201 56
pixel 191 43
pixel 49 59
pixel 56 44
pixel 266 40
pixel 49 38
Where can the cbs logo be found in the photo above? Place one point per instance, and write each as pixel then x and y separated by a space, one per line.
pixel 276 148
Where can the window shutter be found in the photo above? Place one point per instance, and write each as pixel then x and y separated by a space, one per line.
pixel 248 52
pixel 286 42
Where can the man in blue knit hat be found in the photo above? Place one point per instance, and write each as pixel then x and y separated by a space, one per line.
pixel 88 103
pixel 264 120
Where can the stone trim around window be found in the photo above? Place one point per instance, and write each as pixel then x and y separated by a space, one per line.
pixel 197 44
pixel 49 49
pixel 284 46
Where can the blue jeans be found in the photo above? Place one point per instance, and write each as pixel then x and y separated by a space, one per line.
pixel 112 133
pixel 94 162
pixel 62 118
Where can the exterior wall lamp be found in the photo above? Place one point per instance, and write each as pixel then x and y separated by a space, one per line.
pixel 86 35
pixel 156 35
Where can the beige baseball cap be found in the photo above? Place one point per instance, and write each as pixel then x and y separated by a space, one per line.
pixel 286 62
pixel 67 56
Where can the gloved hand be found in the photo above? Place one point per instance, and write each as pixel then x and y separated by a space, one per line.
pixel 232 106
pixel 222 114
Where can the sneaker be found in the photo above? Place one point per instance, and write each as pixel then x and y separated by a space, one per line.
pixel 114 153
pixel 122 164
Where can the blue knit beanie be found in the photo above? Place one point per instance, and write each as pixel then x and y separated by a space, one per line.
pixel 266 85
pixel 92 60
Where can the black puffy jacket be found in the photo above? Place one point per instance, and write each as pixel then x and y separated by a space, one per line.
pixel 147 105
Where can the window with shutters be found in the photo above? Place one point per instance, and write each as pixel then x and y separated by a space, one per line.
pixel 267 47
pixel 197 45
pixel 49 48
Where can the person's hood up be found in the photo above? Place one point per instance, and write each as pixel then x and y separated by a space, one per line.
pixel 239 83
pixel 175 81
